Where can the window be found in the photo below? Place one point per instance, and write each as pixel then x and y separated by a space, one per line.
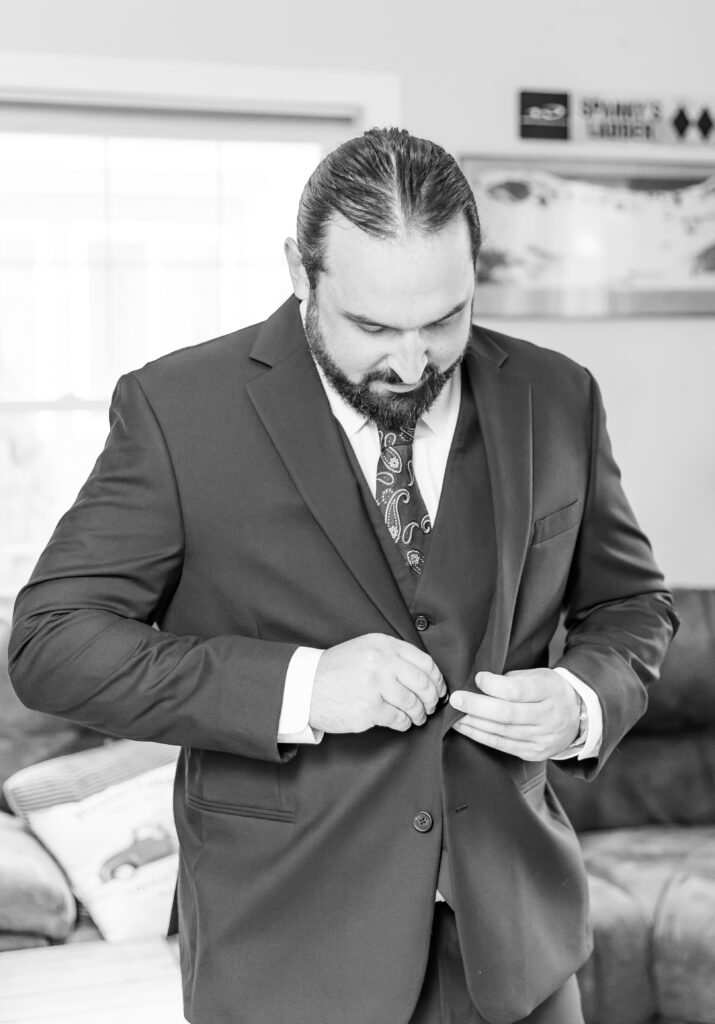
pixel 123 236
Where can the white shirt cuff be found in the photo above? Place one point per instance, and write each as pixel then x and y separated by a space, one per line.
pixel 594 720
pixel 297 693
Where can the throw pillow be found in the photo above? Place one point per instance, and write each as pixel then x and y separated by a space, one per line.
pixel 106 816
pixel 35 899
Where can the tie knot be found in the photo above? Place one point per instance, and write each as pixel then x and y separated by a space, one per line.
pixel 402 438
pixel 396 449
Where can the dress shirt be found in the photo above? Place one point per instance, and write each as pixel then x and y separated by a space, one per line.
pixel 433 440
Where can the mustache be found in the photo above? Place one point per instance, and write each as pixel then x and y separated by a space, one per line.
pixel 429 374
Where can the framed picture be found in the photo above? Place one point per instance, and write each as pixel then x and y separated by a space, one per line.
pixel 583 239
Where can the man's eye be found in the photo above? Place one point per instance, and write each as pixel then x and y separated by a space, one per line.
pixel 441 324
pixel 372 328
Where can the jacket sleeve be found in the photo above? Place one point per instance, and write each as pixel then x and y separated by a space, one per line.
pixel 84 645
pixel 619 614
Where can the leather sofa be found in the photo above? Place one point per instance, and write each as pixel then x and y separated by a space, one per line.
pixel 647 828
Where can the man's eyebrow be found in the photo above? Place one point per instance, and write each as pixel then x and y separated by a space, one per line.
pixel 366 321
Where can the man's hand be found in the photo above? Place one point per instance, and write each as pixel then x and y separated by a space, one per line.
pixel 374 680
pixel 533 714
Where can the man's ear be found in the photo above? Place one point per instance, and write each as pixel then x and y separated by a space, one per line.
pixel 298 276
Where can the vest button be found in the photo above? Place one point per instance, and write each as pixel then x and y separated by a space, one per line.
pixel 422 821
pixel 421 623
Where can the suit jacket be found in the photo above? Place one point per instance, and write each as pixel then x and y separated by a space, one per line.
pixel 224 509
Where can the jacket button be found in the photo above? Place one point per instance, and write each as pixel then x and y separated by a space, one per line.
pixel 421 623
pixel 422 821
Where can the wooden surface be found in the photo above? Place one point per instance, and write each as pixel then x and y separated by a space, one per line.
pixel 92 983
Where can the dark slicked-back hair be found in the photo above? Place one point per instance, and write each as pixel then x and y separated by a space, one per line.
pixel 385 182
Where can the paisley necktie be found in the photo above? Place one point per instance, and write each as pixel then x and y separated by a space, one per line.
pixel 399 498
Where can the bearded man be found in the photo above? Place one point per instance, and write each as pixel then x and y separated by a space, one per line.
pixel 325 555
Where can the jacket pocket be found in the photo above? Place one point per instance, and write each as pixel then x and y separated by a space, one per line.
pixel 534 777
pixel 228 784
pixel 537 791
pixel 558 522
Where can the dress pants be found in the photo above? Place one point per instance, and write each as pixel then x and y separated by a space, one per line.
pixel 445 999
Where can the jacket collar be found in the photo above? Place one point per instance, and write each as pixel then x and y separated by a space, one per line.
pixel 295 412
pixel 292 405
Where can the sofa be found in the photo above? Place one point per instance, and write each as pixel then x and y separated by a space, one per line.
pixel 37 906
pixel 646 824
pixel 647 829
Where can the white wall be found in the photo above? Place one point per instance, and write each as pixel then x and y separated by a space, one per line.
pixel 461 64
pixel 461 60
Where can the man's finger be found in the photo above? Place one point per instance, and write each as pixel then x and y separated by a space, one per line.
pixel 392 718
pixel 420 659
pixel 494 709
pixel 518 747
pixel 420 685
pixel 517 686
pixel 520 730
pixel 405 699
pixel 415 670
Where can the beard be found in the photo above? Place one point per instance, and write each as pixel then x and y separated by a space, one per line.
pixel 388 410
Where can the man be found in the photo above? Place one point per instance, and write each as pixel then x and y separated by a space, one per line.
pixel 336 518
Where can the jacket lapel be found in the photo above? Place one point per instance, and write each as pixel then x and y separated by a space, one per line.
pixel 291 403
pixel 504 405
pixel 503 401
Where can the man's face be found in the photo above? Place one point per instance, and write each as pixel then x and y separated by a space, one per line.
pixel 389 319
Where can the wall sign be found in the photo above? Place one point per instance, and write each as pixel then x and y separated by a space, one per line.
pixel 545 115
pixel 599 117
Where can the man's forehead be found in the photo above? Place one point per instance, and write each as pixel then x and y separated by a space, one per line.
pixel 418 273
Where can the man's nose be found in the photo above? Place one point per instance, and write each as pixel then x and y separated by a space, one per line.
pixel 408 359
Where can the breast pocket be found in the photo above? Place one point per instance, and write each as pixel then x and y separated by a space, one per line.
pixel 228 784
pixel 558 522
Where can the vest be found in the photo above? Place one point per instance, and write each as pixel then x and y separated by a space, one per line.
pixel 451 600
